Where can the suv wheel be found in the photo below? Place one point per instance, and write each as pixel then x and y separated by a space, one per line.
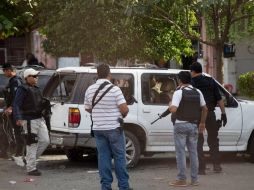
pixel 252 150
pixel 132 149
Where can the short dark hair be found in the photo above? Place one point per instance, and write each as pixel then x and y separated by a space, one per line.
pixel 196 67
pixel 6 66
pixel 185 77
pixel 103 71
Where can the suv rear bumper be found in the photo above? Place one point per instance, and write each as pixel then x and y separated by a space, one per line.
pixel 71 139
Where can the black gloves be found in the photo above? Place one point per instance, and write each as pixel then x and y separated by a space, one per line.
pixel 224 119
pixel 165 113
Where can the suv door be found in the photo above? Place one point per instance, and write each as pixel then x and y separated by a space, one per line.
pixel 125 81
pixel 230 134
pixel 60 91
pixel 157 90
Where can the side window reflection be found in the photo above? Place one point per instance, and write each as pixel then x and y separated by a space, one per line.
pixel 62 88
pixel 157 89
pixel 126 83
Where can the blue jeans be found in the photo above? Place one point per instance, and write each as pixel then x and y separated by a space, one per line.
pixel 186 134
pixel 111 144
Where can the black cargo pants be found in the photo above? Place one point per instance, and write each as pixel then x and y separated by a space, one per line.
pixel 212 141
pixel 19 137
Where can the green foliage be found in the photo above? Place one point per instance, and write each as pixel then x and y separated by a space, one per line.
pixel 164 38
pixel 16 17
pixel 109 30
pixel 246 84
pixel 225 20
pixel 86 27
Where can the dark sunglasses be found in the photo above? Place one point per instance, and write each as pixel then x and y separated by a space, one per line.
pixel 34 76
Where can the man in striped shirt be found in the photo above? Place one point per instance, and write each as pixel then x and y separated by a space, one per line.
pixel 109 135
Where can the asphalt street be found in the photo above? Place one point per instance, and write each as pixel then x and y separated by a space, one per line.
pixel 151 174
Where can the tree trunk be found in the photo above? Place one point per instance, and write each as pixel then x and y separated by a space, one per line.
pixel 218 49
pixel 28 42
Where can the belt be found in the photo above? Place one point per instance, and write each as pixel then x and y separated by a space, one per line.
pixel 180 121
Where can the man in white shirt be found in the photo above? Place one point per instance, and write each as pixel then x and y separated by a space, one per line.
pixel 109 135
pixel 188 109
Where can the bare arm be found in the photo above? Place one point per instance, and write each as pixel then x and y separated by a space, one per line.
pixel 123 109
pixel 172 109
pixel 223 113
pixel 203 119
pixel 221 105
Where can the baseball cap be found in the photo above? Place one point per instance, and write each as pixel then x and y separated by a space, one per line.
pixel 29 72
pixel 7 66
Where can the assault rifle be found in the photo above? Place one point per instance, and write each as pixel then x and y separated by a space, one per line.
pixel 164 114
pixel 46 112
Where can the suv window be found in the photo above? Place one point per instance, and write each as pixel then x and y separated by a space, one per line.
pixel 42 81
pixel 157 88
pixel 227 98
pixel 61 87
pixel 124 81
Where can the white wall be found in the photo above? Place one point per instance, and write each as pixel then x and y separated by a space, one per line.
pixel 229 71
pixel 245 56
pixel 68 62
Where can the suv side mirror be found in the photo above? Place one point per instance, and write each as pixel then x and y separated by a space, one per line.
pixel 231 102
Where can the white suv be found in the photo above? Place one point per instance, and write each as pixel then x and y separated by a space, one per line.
pixel 147 92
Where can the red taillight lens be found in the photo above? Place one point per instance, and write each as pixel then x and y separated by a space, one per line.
pixel 74 117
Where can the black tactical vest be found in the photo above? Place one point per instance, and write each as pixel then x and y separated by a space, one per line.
pixel 32 105
pixel 10 89
pixel 206 86
pixel 189 108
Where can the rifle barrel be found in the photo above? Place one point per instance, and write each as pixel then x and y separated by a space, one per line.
pixel 155 120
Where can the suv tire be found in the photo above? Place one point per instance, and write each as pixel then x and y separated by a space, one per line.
pixel 252 150
pixel 132 149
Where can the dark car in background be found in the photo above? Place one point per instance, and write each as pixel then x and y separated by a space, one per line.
pixel 44 76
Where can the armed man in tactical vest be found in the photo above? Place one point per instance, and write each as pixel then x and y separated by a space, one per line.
pixel 189 112
pixel 210 90
pixel 9 95
pixel 28 109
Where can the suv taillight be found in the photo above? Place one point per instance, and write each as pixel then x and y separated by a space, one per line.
pixel 74 117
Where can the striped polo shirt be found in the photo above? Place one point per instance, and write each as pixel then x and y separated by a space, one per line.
pixel 105 114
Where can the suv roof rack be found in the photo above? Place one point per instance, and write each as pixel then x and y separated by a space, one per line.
pixel 145 65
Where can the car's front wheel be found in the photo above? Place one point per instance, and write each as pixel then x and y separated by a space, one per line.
pixel 132 149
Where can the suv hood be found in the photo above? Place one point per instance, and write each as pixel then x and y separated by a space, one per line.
pixel 242 101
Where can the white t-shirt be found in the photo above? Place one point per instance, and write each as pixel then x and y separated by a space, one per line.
pixel 177 97
pixel 105 114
